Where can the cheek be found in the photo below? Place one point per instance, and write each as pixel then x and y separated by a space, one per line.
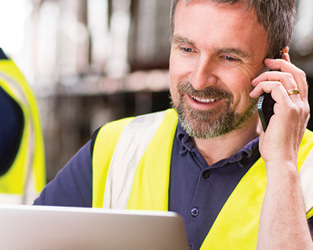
pixel 241 79
pixel 175 69
pixel 246 75
pixel 181 66
pixel 173 82
pixel 240 86
pixel 176 76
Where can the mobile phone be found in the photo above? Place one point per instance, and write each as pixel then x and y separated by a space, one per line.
pixel 265 109
pixel 266 104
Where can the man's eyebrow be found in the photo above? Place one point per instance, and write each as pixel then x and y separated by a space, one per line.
pixel 234 51
pixel 179 39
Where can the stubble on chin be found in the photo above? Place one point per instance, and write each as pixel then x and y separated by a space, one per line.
pixel 211 123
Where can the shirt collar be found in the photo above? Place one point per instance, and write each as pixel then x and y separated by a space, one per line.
pixel 242 156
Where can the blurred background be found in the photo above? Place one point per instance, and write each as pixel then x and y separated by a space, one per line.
pixel 93 61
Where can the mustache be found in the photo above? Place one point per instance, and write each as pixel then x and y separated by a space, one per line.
pixel 210 92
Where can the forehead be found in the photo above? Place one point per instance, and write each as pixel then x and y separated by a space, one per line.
pixel 203 21
pixel 217 13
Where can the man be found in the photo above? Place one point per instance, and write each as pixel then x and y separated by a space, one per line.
pixel 207 166
pixel 22 160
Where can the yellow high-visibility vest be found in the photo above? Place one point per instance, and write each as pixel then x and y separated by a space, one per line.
pixel 26 177
pixel 131 170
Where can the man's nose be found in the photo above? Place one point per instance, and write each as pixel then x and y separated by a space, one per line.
pixel 203 74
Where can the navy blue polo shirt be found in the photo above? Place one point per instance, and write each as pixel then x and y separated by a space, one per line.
pixel 197 191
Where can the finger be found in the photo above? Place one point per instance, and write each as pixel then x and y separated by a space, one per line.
pixel 264 87
pixel 274 87
pixel 275 78
pixel 285 55
pixel 298 75
pixel 286 79
pixel 293 92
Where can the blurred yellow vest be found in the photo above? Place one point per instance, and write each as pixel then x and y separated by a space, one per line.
pixel 26 176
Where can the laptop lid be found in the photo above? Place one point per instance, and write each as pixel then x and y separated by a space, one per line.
pixel 45 227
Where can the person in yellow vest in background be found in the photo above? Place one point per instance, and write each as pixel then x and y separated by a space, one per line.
pixel 22 159
pixel 237 185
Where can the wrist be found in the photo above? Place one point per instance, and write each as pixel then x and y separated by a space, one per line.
pixel 282 170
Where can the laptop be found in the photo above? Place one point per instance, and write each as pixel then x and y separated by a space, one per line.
pixel 67 228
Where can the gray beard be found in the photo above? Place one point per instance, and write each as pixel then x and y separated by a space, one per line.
pixel 212 123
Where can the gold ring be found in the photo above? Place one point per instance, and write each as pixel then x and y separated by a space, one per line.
pixel 293 92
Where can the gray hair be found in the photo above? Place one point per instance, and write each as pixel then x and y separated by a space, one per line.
pixel 276 16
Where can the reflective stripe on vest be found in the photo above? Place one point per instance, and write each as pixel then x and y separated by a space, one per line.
pixel 159 154
pixel 236 226
pixel 126 157
pixel 26 176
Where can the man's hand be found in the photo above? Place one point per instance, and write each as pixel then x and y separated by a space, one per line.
pixel 291 111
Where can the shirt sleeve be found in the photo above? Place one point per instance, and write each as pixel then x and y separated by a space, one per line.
pixel 72 186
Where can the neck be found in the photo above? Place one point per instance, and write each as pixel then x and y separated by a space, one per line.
pixel 224 146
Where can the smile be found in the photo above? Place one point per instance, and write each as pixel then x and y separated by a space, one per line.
pixel 204 100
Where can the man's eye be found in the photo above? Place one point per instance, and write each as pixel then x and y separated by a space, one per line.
pixel 229 58
pixel 187 50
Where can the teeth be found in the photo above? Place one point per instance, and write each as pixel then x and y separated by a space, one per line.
pixel 204 100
